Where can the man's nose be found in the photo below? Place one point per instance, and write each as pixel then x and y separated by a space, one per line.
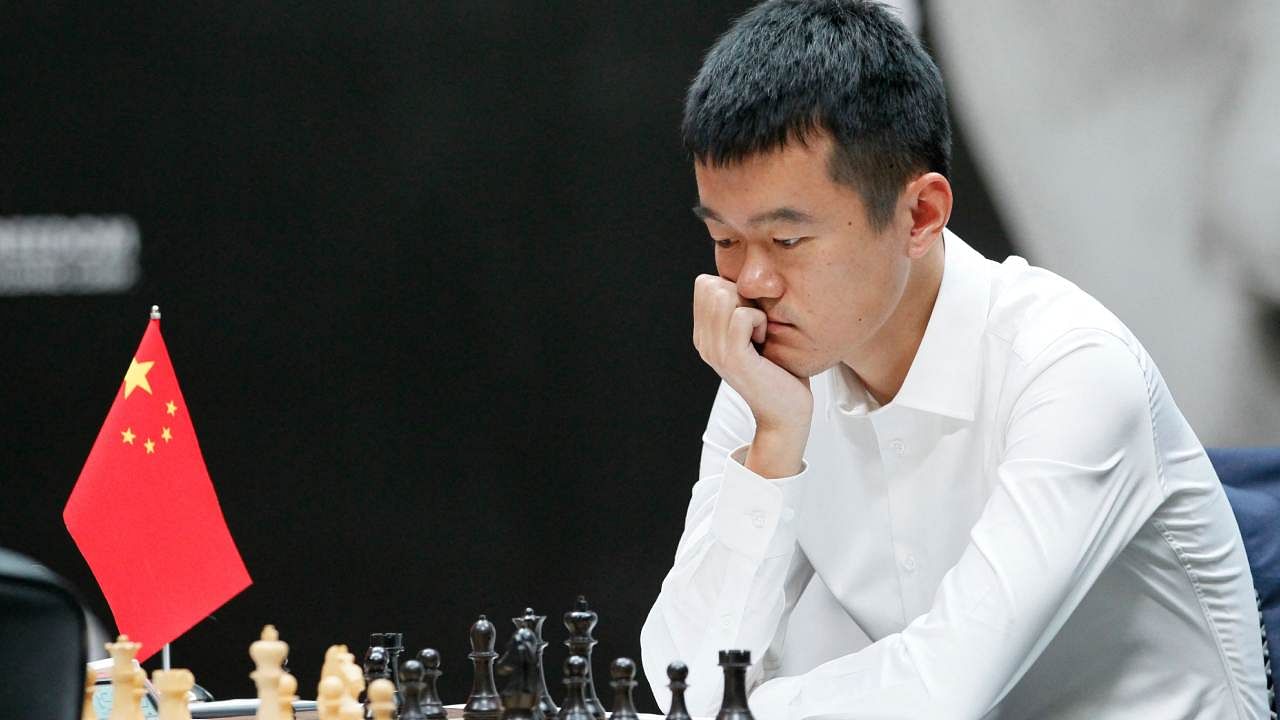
pixel 757 278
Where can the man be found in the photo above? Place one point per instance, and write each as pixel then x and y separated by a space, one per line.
pixel 979 461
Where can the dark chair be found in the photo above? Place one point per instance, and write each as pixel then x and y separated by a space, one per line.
pixel 42 642
pixel 1251 477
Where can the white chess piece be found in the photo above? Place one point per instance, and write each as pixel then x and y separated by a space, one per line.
pixel 268 655
pixel 173 686
pixel 382 699
pixel 288 693
pixel 122 677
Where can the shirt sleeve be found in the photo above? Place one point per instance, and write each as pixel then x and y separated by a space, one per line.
pixel 737 572
pixel 1077 479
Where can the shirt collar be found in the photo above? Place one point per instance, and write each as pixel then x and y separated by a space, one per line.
pixel 943 378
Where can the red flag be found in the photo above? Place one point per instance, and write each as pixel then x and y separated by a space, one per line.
pixel 144 513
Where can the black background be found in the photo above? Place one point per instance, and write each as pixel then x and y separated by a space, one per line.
pixel 426 273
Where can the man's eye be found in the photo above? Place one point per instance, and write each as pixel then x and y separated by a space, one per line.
pixel 788 242
pixel 722 242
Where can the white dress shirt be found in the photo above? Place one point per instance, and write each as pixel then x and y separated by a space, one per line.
pixel 1029 529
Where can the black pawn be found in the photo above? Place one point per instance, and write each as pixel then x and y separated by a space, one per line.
pixel 483 703
pixel 575 683
pixel 676 674
pixel 580 621
pixel 375 668
pixel 412 685
pixel 623 672
pixel 734 705
pixel 534 622
pixel 431 706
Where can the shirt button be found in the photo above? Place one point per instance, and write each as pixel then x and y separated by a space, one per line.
pixel 898 446
pixel 757 518
pixel 909 563
pixel 726 620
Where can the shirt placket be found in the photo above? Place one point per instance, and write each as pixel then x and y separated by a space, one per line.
pixel 897 443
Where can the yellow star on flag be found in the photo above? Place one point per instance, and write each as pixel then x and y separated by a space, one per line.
pixel 170 408
pixel 136 377
pixel 164 434
pixel 151 446
pixel 127 435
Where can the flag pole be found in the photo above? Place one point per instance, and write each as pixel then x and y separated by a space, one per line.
pixel 164 652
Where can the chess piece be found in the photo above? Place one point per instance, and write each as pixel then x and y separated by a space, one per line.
pixel 580 621
pixel 329 698
pixel 676 674
pixel 412 683
pixel 172 685
pixel 122 677
pixel 351 709
pixel 382 699
pixel 575 683
pixel 137 689
pixel 431 705
pixel 288 693
pixel 734 705
pixel 268 654
pixel 623 672
pixel 483 703
pixel 393 643
pixel 90 679
pixel 352 681
pixel 534 622
pixel 375 668
pixel 519 667
pixel 332 661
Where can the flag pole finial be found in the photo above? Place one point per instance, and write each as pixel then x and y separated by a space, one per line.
pixel 155 312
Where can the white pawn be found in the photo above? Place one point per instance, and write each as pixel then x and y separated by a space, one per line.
pixel 138 689
pixel 288 693
pixel 268 655
pixel 329 698
pixel 173 686
pixel 351 710
pixel 382 699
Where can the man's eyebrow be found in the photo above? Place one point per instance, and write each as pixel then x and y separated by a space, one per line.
pixel 782 214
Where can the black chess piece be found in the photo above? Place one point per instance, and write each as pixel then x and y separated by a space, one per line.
pixel 519 667
pixel 483 703
pixel 623 672
pixel 413 683
pixel 580 621
pixel 431 705
pixel 676 674
pixel 534 622
pixel 734 704
pixel 375 668
pixel 575 683
pixel 393 643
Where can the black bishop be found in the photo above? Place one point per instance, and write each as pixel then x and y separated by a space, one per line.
pixel 483 703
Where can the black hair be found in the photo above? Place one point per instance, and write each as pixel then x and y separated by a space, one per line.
pixel 789 68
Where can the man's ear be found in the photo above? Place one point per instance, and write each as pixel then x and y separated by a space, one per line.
pixel 928 201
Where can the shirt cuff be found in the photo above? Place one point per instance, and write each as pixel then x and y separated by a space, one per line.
pixel 755 516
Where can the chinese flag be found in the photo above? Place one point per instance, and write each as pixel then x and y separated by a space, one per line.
pixel 144 513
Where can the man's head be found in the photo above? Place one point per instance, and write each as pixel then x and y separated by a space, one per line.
pixel 823 121
pixel 789 68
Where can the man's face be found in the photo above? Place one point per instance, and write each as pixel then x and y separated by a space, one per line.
pixel 800 248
